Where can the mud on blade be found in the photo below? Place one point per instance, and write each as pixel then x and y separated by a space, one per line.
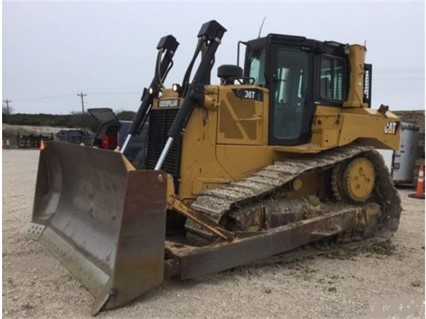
pixel 103 220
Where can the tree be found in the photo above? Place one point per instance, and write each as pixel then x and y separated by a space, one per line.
pixel 86 121
pixel 6 111
pixel 125 115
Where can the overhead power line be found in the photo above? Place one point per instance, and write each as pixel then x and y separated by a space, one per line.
pixel 114 93
pixel 43 97
pixel 71 95
pixel 400 69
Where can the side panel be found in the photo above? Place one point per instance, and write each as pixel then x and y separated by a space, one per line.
pixel 225 140
pixel 370 128
pixel 199 167
pixel 242 115
pixel 334 127
pixel 242 130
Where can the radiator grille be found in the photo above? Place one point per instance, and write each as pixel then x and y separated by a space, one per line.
pixel 160 122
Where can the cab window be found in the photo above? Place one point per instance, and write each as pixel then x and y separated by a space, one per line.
pixel 257 67
pixel 333 78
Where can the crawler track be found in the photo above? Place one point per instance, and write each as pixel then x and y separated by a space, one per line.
pixel 237 196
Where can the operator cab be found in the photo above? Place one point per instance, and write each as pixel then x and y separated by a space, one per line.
pixel 300 73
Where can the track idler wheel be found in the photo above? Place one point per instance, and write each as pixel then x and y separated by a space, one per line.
pixel 354 180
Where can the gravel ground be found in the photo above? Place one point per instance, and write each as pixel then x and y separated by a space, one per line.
pixel 381 282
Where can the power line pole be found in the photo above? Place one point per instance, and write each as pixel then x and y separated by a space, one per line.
pixel 7 105
pixel 81 95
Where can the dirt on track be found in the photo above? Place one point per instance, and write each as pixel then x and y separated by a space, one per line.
pixel 385 281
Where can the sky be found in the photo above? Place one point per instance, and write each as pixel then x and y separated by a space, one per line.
pixel 52 51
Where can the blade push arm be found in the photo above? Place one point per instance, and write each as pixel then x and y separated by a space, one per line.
pixel 211 34
pixel 166 47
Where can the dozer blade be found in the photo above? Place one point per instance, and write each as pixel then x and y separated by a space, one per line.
pixel 104 220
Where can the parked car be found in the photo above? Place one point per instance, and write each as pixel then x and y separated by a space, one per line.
pixel 112 133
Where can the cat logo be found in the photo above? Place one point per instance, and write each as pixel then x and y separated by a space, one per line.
pixel 391 128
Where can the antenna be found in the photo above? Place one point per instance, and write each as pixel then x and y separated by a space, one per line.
pixel 261 26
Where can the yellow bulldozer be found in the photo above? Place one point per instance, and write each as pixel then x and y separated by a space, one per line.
pixel 281 154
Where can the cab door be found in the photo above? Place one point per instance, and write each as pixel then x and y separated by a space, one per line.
pixel 291 105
